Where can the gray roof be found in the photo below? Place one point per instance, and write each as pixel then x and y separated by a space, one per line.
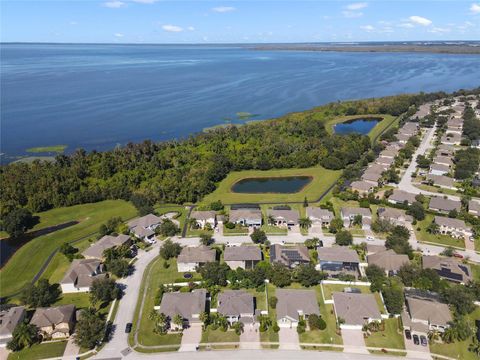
pixel 439 203
pixel 402 137
pixel 376 168
pixel 355 308
pixel 401 196
pixel 372 248
pixel 371 175
pixel 81 271
pixel 235 303
pixel 319 213
pixel 199 254
pixel 384 160
pixel 337 253
pixel 290 302
pixel 352 211
pixel 289 255
pixel 240 214
pixel 388 260
pixel 96 250
pixel 434 312
pixel 44 317
pixel 145 221
pixel 448 268
pixel 474 206
pixel 388 153
pixel 284 215
pixel 203 215
pixel 242 253
pixel 439 167
pixel 452 223
pixel 362 185
pixel 441 180
pixel 9 319
pixel 443 160
pixel 185 304
pixel 393 214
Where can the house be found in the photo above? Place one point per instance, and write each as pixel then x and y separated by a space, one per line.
pixel 377 168
pixel 410 128
pixel 337 260
pixel 283 217
pixel 9 319
pixel 384 161
pixel 402 138
pixel 355 309
pixel 439 169
pixel 443 160
pixel 423 315
pixel 453 227
pixel 441 181
pixel 81 274
pixel 443 205
pixel 348 215
pixel 319 216
pixel 474 207
pixel 289 256
pixel 246 217
pixel 144 227
pixel 188 305
pixel 204 217
pixel 394 216
pixel 401 197
pixel 54 322
pixel 293 305
pixel 388 260
pixel 191 258
pixel 445 150
pixel 96 250
pixel 423 110
pixel 236 305
pixel 373 249
pixel 245 257
pixel 388 153
pixel 448 268
pixel 455 126
pixel 373 175
pixel 362 187
pixel 451 139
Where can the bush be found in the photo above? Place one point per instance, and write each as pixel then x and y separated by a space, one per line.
pixel 230 225
pixel 258 236
pixel 272 301
pixel 276 328
pixel 344 238
pixel 316 322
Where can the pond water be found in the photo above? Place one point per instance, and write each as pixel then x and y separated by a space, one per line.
pixel 278 185
pixel 360 126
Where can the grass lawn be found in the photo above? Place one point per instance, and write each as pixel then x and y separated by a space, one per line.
pixel 197 232
pixel 30 257
pixel 237 230
pixel 40 351
pixel 270 335
pixel 80 300
pixel 219 336
pixel 391 337
pixel 424 236
pixel 436 189
pixel 322 179
pixel 275 230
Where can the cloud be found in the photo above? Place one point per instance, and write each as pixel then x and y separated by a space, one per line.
pixel 475 8
pixel 223 9
pixel 438 30
pixel 191 28
pixel 367 28
pixel 114 4
pixel 356 6
pixel 352 14
pixel 406 25
pixel 420 20
pixel 118 35
pixel 172 28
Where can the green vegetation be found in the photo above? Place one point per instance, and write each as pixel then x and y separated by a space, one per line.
pixel 40 351
pixel 423 235
pixel 322 180
pixel 32 255
pixel 391 337
pixel 44 149
pixel 270 335
pixel 218 336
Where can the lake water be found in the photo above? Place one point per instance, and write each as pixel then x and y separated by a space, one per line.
pixel 277 185
pixel 98 96
pixel 360 126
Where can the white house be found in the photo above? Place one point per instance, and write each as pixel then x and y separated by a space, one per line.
pixel 81 274
pixel 204 217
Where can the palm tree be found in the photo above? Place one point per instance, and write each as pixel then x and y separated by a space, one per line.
pixel 270 220
pixel 305 222
pixel 25 335
pixel 160 323
pixel 178 320
pixel 475 346
pixel 449 335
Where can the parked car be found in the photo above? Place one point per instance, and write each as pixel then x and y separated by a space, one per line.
pixel 423 340
pixel 128 328
pixel 416 340
pixel 408 334
pixel 457 255
pixel 370 238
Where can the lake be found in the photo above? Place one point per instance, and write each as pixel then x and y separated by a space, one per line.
pixel 276 185
pixel 98 96
pixel 360 126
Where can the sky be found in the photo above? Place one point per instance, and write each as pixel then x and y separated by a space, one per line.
pixel 162 21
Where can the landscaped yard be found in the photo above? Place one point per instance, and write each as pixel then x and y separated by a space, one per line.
pixel 30 257
pixel 391 337
pixel 219 336
pixel 237 230
pixel 424 236
pixel 270 335
pixel 40 351
pixel 275 230
pixel 322 180
pixel 328 289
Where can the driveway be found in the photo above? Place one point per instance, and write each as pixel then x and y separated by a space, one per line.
pixel 250 338
pixel 71 349
pixel 353 341
pixel 191 338
pixel 288 338
pixel 416 351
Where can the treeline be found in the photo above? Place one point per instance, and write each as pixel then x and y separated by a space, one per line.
pixel 471 125
pixel 185 171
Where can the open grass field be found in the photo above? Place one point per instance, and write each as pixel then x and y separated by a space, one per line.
pixel 425 236
pixel 322 179
pixel 391 337
pixel 27 261
pixel 40 351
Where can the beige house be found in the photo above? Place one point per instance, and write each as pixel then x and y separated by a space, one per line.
pixel 144 227
pixel 355 309
pixel 362 187
pixel 348 215
pixel 283 218
pixel 444 205
pixel 245 257
pixel 453 227
pixel 401 197
pixel 388 260
pixel 81 274
pixel 237 305
pixel 95 251
pixel 448 268
pixel 55 322
pixel 474 207
pixel 9 319
pixel 320 217
pixel 293 305
pixel 424 315
pixel 394 216
pixel 441 181
pixel 290 256
pixel 192 257
pixel 188 305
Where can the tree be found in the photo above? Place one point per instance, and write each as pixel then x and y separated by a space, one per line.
pixel 170 249
pixel 316 322
pixel 178 321
pixel 142 203
pixel 416 210
pixel 90 329
pixel 357 219
pixel 103 290
pixel 258 236
pixel 398 241
pixel 376 276
pixel 41 295
pixel 280 275
pixel 382 226
pixel 335 225
pixel 216 205
pixel 474 346
pixel 68 250
pixel 167 228
pixel 460 298
pixel 272 301
pixel 307 275
pixel 24 335
pixel 312 243
pixel 111 226
pixel 344 238
pixel 433 228
pixel 305 202
pixel 393 297
pixel 119 267
pixel 305 222
pixel 453 213
pixel 206 239
pixel 238 327
pixel 214 273
pixel 18 221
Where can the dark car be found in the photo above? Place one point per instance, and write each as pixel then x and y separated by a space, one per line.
pixel 408 334
pixel 423 340
pixel 416 340
pixel 128 328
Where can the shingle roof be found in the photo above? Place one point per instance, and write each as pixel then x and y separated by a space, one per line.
pixel 449 222
pixel 474 206
pixel 9 319
pixel 352 211
pixel 96 250
pixel 338 253
pixel 235 302
pixel 203 215
pixel 289 255
pixel 400 196
pixel 184 304
pixel 441 180
pixel 434 312
pixel 388 260
pixel 439 203
pixel 318 213
pixel 285 215
pixel 361 185
pixel 145 221
pixel 393 214
pixel 242 253
pixel 290 302
pixel 44 317
pixel 447 267
pixel 355 308
pixel 200 254
pixel 236 215
pixel 81 271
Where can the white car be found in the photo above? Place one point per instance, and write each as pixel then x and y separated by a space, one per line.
pixel 370 238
